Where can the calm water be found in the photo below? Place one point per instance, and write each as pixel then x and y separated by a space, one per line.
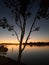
pixel 31 55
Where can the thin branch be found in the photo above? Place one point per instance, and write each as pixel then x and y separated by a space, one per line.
pixel 36 29
pixel 19 26
pixel 29 33
pixel 20 22
pixel 16 35
pixel 30 6
pixel 23 31
pixel 31 29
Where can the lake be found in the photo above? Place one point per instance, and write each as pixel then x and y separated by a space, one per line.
pixel 32 55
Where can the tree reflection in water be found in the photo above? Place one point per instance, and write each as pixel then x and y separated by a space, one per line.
pixel 3 50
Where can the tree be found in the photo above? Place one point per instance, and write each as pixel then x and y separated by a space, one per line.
pixel 21 10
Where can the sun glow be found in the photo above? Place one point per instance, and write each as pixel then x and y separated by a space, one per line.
pixel 14 40
pixel 8 41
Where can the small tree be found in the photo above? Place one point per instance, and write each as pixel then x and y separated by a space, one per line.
pixel 21 10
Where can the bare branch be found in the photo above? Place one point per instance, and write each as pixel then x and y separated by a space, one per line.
pixel 19 26
pixel 29 33
pixel 30 6
pixel 20 22
pixel 16 35
pixel 36 29
pixel 30 30
pixel 28 13
pixel 23 31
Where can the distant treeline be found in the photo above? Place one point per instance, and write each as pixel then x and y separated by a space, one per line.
pixel 37 43
pixel 9 44
pixel 30 43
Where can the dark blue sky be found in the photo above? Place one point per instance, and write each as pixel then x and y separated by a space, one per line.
pixel 40 36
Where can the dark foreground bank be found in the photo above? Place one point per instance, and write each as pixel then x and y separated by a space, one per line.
pixel 8 61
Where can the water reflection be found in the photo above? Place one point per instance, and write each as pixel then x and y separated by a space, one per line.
pixel 34 55
pixel 3 50
pixel 13 51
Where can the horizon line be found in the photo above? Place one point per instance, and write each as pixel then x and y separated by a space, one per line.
pixel 23 42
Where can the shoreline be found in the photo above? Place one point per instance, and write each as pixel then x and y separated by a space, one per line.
pixel 8 61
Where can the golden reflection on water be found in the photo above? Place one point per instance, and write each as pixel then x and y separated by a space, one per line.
pixel 29 51
pixel 27 48
pixel 36 48
pixel 12 48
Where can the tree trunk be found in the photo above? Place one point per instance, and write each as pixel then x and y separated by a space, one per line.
pixel 20 53
pixel 21 40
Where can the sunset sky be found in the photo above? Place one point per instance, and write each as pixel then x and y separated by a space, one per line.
pixel 39 36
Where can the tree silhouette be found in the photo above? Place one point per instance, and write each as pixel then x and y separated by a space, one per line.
pixel 21 11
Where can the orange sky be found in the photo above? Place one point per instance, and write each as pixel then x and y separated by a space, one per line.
pixel 5 40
